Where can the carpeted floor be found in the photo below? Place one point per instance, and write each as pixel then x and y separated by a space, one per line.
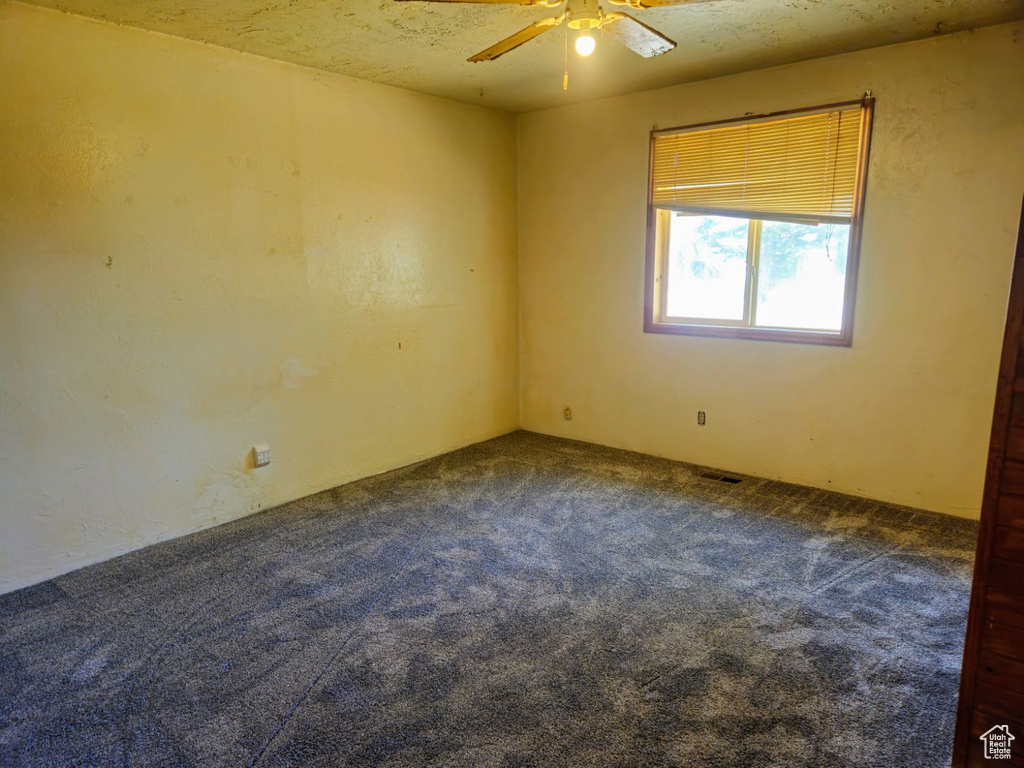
pixel 523 602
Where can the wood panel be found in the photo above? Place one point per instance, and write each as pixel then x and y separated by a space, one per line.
pixel 999 671
pixel 1006 577
pixel 1004 609
pixel 1015 440
pixel 1003 640
pixel 977 757
pixel 997 700
pixel 1010 512
pixel 992 678
pixel 1013 478
pixel 1009 544
pixel 982 721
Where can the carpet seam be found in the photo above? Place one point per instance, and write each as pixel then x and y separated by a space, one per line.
pixel 362 621
pixel 849 572
pixel 790 612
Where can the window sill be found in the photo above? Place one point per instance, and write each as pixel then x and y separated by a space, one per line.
pixel 838 339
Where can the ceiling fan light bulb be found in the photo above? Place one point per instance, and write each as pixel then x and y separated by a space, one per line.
pixel 585 43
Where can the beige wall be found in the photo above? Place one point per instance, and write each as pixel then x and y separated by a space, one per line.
pixel 904 414
pixel 200 250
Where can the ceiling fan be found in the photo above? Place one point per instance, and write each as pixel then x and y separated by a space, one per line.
pixel 586 16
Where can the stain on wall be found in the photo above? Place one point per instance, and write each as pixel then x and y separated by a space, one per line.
pixel 904 415
pixel 201 250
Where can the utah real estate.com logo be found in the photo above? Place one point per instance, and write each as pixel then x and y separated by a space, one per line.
pixel 997 742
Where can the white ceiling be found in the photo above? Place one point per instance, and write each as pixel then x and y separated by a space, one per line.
pixel 423 46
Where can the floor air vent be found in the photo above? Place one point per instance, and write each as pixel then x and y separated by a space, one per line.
pixel 721 478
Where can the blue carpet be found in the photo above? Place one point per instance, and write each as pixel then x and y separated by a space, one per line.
pixel 527 601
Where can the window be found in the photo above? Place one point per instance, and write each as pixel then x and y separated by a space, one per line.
pixel 754 226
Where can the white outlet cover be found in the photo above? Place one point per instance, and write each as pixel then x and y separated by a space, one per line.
pixel 261 452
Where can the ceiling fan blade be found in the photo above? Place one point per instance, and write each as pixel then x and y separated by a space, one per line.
pixel 641 4
pixel 636 35
pixel 520 37
pixel 541 3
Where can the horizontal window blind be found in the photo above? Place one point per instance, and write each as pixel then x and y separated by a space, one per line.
pixel 795 168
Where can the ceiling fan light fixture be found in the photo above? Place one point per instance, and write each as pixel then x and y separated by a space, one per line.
pixel 585 43
pixel 584 14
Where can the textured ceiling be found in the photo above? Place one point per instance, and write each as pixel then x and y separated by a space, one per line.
pixel 423 46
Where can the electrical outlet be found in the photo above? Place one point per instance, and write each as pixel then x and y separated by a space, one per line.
pixel 567 413
pixel 261 454
pixel 700 418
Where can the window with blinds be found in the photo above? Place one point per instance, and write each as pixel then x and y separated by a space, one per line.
pixel 754 225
